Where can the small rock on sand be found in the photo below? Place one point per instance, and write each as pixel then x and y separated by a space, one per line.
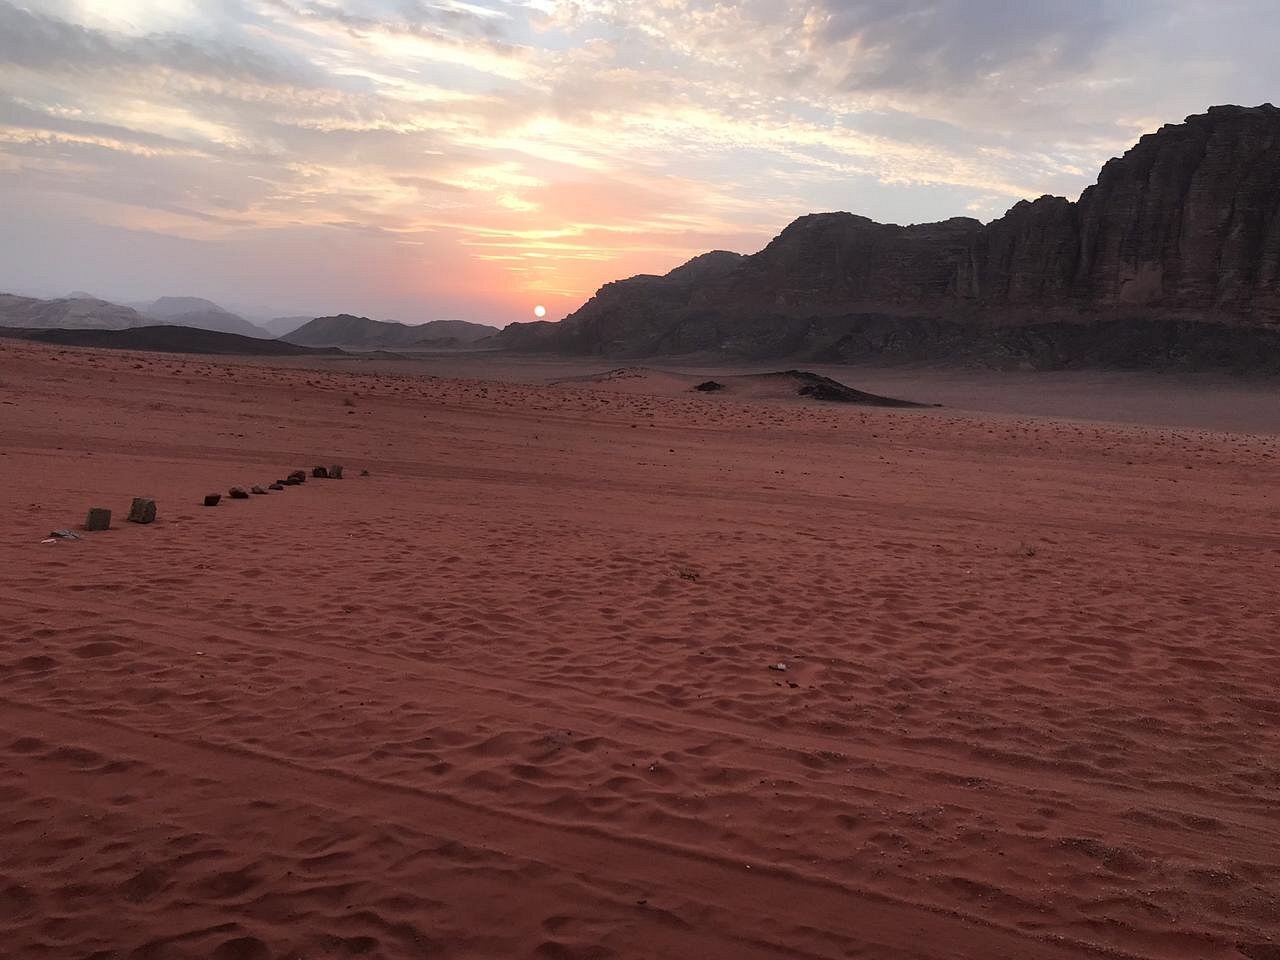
pixel 780 667
pixel 143 510
pixel 238 493
pixel 99 518
pixel 278 485
pixel 321 473
pixel 258 490
pixel 335 473
pixel 299 475
pixel 211 499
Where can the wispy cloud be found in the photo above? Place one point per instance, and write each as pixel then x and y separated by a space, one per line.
pixel 471 157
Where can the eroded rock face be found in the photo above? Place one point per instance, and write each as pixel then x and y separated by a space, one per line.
pixel 1173 257
pixel 1190 217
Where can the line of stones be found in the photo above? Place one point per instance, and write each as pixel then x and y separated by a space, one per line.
pixel 143 509
pixel 292 480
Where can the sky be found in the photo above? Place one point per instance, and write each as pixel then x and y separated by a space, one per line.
pixel 415 160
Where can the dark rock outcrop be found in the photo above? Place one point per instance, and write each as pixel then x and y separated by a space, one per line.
pixel 833 391
pixel 1172 259
pixel 142 510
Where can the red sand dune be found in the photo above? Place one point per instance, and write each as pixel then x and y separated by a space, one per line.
pixel 510 695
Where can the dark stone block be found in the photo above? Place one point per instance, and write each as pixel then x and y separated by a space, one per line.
pixel 239 493
pixel 143 510
pixel 321 473
pixel 258 490
pixel 99 518
pixel 277 486
pixel 335 473
pixel 211 499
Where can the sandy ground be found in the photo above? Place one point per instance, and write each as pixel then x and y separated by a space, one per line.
pixel 1202 400
pixel 513 693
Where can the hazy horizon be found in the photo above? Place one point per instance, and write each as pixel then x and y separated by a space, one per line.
pixel 415 160
pixel 254 313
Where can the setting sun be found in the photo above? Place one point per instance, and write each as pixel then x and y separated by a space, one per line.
pixel 539 311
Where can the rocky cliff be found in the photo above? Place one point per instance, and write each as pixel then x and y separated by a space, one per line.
pixel 1171 259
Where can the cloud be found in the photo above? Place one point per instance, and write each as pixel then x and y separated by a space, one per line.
pixel 43 42
pixel 537 148
pixel 944 43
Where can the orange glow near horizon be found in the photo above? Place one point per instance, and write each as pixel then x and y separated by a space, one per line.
pixel 467 160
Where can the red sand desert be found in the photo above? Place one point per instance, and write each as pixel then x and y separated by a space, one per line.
pixel 515 693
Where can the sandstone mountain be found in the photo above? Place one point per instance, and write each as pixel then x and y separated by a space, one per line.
pixel 66 313
pixel 201 314
pixel 85 312
pixel 346 330
pixel 1172 259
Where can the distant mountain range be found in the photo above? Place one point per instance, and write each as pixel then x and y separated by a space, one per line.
pixel 202 314
pixel 81 311
pixel 1172 260
pixel 346 330
pixel 67 313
